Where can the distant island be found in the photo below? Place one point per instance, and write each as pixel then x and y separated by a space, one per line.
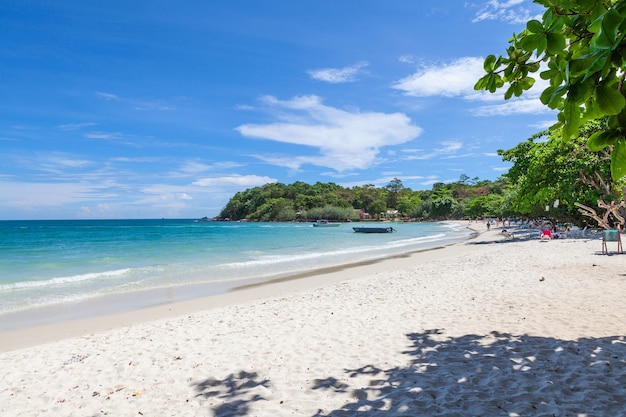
pixel 466 198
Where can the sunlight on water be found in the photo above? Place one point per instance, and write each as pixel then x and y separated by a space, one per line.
pixel 48 262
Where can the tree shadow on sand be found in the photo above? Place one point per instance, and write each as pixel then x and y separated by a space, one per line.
pixel 490 375
pixel 235 393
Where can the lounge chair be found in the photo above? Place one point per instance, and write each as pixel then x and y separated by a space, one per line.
pixel 611 236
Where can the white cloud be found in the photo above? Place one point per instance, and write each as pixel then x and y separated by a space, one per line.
pixel 29 195
pixel 501 169
pixel 510 11
pixel 234 180
pixel 450 146
pixel 511 107
pixel 75 126
pixel 136 104
pixel 431 180
pixel 456 78
pixel 446 148
pixel 527 103
pixel 57 163
pixel 345 139
pixel 108 96
pixel 143 159
pixel 193 167
pixel 101 210
pixel 407 59
pixel 385 180
pixel 152 105
pixel 543 125
pixel 102 135
pixel 339 75
pixel 65 161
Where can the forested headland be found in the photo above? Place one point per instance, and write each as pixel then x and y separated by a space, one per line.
pixel 301 201
pixel 550 177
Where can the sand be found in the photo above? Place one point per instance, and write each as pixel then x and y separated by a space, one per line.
pixel 486 327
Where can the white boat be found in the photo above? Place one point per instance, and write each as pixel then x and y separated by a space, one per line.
pixel 325 223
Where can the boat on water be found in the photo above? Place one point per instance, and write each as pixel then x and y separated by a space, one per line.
pixel 325 223
pixel 364 229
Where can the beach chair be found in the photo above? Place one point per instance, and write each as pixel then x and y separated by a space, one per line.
pixel 546 234
pixel 611 236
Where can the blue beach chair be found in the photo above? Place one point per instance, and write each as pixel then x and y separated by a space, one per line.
pixel 611 236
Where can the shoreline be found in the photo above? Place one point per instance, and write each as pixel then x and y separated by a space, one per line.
pixel 483 327
pixel 30 330
pixel 160 301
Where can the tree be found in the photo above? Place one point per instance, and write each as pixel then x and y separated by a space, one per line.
pixel 408 203
pixel 366 196
pixel 580 47
pixel 393 192
pixel 441 206
pixel 548 168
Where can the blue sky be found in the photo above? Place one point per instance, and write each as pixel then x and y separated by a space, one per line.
pixel 150 109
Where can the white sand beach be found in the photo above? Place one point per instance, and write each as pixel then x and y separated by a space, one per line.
pixel 487 327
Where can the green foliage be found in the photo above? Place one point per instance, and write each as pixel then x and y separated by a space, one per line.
pixel 441 206
pixel 581 49
pixel 548 167
pixel 332 213
pixel 300 201
pixel 408 203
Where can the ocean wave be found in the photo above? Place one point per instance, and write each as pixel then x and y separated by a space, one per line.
pixel 14 306
pixel 266 260
pixel 64 280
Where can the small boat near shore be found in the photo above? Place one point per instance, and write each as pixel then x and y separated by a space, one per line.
pixel 325 223
pixel 369 229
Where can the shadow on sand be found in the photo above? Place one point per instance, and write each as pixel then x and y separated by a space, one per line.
pixel 234 393
pixel 497 374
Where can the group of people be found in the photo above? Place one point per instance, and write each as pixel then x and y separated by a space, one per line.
pixel 548 230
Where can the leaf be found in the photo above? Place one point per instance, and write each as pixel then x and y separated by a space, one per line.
pixel 605 38
pixel 551 96
pixel 489 64
pixel 534 67
pixel 542 44
pixel 555 42
pixel 532 42
pixel 509 92
pixel 571 115
pixel 534 26
pixel 592 111
pixel 600 60
pixel 526 83
pixel 491 83
pixel 579 92
pixel 599 141
pixel 610 101
pixel 548 74
pixel 481 84
pixel 618 160
pixel 577 66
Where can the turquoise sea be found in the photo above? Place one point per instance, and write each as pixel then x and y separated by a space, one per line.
pixel 48 264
